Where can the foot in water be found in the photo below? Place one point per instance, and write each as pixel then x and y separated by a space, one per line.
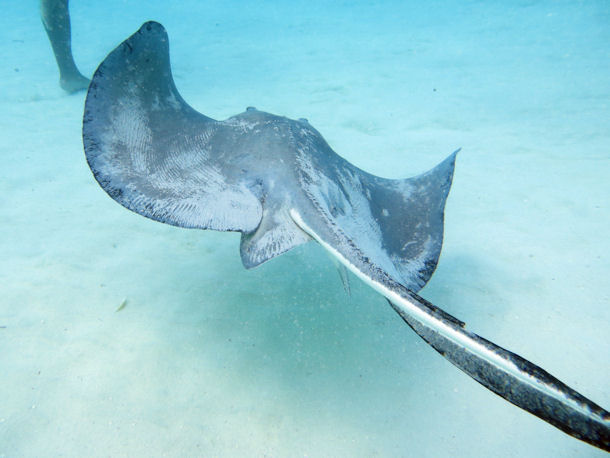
pixel 56 20
pixel 74 83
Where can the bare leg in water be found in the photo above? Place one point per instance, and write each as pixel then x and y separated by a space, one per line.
pixel 56 21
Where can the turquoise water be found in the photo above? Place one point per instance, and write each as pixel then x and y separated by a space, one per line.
pixel 208 359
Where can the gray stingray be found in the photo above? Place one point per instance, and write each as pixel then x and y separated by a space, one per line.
pixel 279 183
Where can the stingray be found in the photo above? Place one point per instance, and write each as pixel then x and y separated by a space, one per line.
pixel 278 182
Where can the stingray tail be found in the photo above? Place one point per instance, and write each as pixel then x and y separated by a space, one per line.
pixel 508 375
pixel 505 373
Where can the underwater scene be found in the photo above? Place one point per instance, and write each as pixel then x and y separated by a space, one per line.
pixel 270 334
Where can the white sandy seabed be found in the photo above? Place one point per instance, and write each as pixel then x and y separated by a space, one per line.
pixel 208 359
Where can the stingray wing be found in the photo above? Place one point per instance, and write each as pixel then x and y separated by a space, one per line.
pixel 150 151
pixel 396 225
pixel 411 215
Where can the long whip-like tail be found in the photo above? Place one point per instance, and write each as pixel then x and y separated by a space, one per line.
pixel 507 374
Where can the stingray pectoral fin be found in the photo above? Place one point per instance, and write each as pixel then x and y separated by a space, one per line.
pixel 509 375
pixel 152 152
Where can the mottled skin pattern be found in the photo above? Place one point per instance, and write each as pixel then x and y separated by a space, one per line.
pixel 279 183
